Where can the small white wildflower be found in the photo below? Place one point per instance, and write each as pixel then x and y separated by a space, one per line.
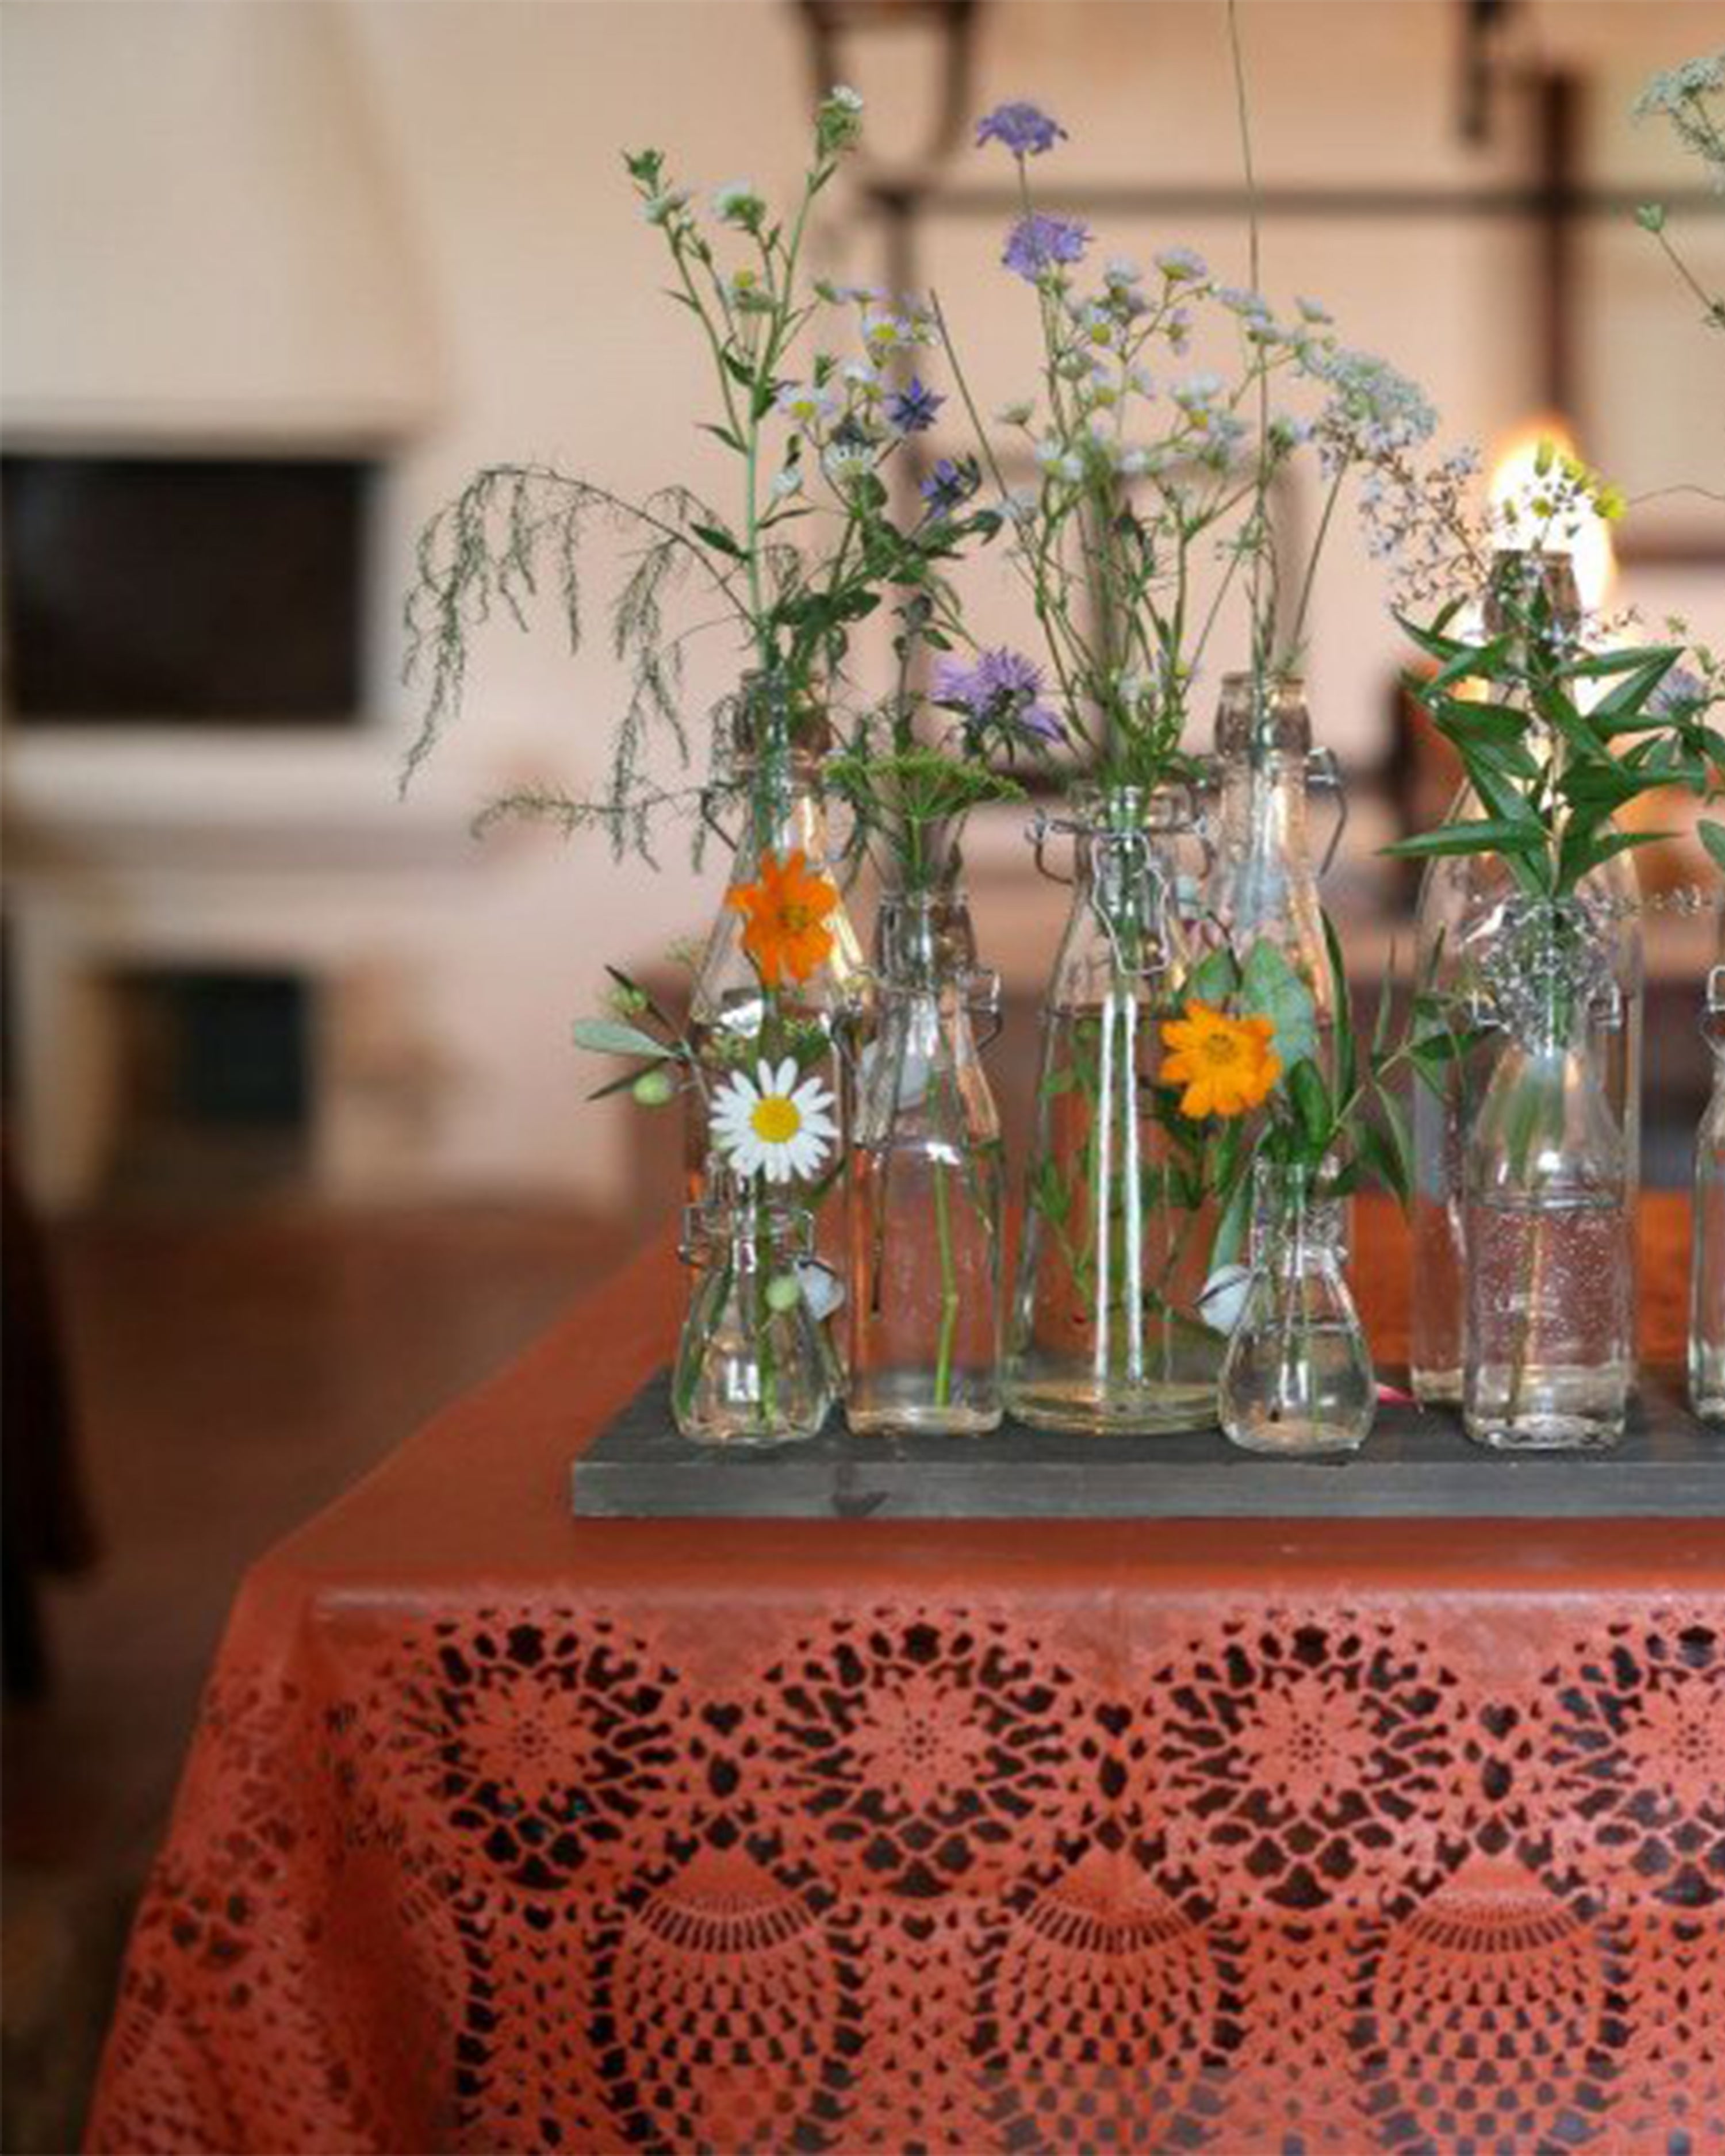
pixel 1015 415
pixel 1120 272
pixel 845 462
pixel 1049 451
pixel 1097 326
pixel 1666 92
pixel 1182 264
pixel 787 483
pixel 662 207
pixel 1132 463
pixel 866 382
pixel 737 203
pixel 1313 311
pixel 1196 390
pixel 846 98
pixel 804 404
pixel 1021 504
pixel 1239 302
pixel 887 333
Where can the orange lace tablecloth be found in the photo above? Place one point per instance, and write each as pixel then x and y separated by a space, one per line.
pixel 506 1831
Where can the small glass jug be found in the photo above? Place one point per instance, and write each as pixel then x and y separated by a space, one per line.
pixel 1107 1332
pixel 924 1308
pixel 1297 1378
pixel 1548 1351
pixel 776 747
pixel 753 1366
pixel 1706 1279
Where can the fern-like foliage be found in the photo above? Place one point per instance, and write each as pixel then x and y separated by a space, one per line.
pixel 511 532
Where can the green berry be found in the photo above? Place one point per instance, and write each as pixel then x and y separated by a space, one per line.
pixel 653 1088
pixel 783 1293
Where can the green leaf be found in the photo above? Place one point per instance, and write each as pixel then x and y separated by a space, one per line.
pixel 1269 987
pixel 1712 837
pixel 1311 1104
pixel 1216 977
pixel 715 536
pixel 1485 835
pixel 1344 1006
pixel 610 1036
pixel 1400 1178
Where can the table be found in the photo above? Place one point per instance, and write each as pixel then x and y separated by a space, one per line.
pixel 502 1831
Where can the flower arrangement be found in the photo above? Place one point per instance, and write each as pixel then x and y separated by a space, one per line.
pixel 1148 471
pixel 1505 700
pixel 802 551
pixel 1186 1083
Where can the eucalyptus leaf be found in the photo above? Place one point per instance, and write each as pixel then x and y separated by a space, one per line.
pixel 1269 987
pixel 609 1036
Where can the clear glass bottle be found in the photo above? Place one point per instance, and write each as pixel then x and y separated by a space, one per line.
pixel 1262 886
pixel 1464 900
pixel 1106 1333
pixel 752 1367
pixel 1297 1379
pixel 1547 1354
pixel 1707 1279
pixel 774 779
pixel 927 1187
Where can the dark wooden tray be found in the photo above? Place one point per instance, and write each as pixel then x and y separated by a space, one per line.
pixel 1415 1465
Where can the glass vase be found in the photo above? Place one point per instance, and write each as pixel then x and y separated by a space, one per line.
pixel 1262 886
pixel 1706 1279
pixel 926 1199
pixel 1106 1333
pixel 752 1367
pixel 1464 902
pixel 1546 1349
pixel 1297 1379
pixel 774 779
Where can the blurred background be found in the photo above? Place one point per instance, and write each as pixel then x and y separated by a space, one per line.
pixel 296 1145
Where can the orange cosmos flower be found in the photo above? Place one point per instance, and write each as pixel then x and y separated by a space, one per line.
pixel 787 935
pixel 1226 1065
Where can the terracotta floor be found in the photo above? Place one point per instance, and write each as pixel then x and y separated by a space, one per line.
pixel 233 1372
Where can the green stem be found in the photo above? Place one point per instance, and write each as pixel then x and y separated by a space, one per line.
pixel 949 1291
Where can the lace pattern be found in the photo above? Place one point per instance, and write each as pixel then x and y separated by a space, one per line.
pixel 1444 1877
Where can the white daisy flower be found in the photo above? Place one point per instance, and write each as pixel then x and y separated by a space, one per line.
pixel 771 1126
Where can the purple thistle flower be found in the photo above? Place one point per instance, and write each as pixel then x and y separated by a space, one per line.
pixel 1024 129
pixel 1038 242
pixel 911 409
pixel 951 483
pixel 1004 689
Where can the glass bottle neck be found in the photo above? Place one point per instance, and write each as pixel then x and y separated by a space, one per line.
pixel 783 811
pixel 1294 1223
pixel 1263 811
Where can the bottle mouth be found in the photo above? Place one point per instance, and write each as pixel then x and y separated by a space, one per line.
pixel 1130 811
pixel 1260 717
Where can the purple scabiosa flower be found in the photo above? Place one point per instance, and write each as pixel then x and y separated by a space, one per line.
pixel 1040 242
pixel 1023 128
pixel 911 409
pixel 1682 691
pixel 951 485
pixel 1002 690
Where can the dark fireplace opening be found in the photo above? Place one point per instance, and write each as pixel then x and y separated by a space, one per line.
pixel 212 592
pixel 216 1083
